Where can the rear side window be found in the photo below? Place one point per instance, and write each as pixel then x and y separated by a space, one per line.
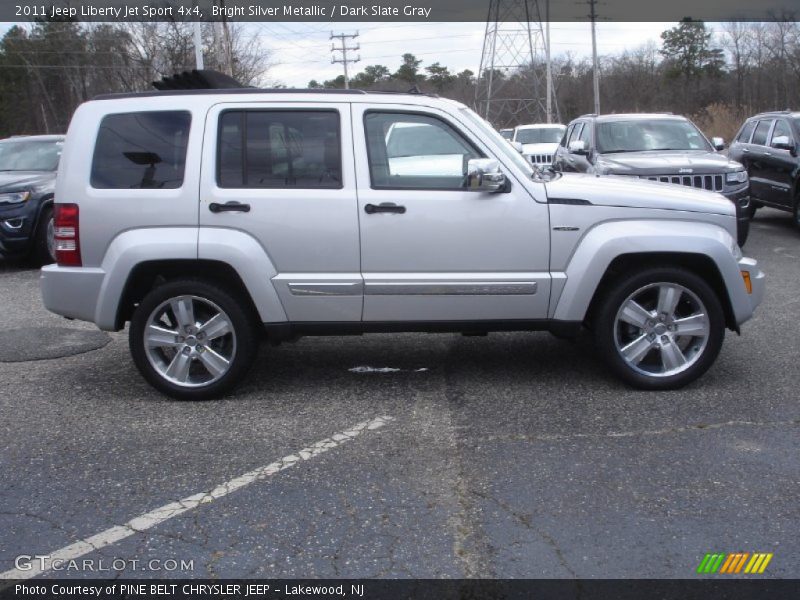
pixel 278 149
pixel 747 130
pixel 142 150
pixel 760 135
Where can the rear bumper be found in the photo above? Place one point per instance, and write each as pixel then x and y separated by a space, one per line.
pixel 72 292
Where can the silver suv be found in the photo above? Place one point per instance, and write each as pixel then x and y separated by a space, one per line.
pixel 208 219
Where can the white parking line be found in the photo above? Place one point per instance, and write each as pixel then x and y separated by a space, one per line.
pixel 168 511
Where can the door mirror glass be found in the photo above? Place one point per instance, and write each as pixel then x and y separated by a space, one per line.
pixel 484 175
pixel 578 147
pixel 782 142
pixel 718 143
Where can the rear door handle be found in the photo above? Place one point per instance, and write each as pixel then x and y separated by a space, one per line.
pixel 384 207
pixel 233 206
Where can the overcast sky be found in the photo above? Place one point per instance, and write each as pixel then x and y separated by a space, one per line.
pixel 302 51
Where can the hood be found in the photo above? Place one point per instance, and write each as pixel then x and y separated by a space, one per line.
pixel 539 148
pixel 660 162
pixel 636 193
pixel 13 181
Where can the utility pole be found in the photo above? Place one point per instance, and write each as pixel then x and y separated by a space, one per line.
pixel 198 47
pixel 595 67
pixel 227 50
pixel 344 49
pixel 549 74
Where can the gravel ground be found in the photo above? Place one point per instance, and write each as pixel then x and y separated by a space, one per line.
pixel 514 455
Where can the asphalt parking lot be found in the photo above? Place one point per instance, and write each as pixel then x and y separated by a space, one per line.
pixel 513 455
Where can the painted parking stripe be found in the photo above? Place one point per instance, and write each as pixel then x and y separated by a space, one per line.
pixel 174 509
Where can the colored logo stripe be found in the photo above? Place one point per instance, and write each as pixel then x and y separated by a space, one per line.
pixel 734 562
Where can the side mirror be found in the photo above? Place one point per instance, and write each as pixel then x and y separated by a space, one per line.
pixel 578 147
pixel 517 146
pixel 718 143
pixel 484 175
pixel 782 143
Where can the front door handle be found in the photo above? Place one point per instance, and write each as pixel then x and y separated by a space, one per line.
pixel 233 206
pixel 384 207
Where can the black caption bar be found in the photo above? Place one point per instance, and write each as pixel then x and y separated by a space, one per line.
pixel 387 10
pixel 407 589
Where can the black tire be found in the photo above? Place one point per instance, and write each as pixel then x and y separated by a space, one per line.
pixel 244 324
pixel 796 212
pixel 41 253
pixel 621 290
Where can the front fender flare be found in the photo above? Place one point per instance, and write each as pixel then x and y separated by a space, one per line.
pixel 607 241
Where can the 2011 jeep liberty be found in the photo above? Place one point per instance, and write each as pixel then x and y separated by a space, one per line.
pixel 209 218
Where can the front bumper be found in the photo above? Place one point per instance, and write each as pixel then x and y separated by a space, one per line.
pixel 17 228
pixel 757 281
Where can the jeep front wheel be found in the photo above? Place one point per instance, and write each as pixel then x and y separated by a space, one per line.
pixel 660 328
pixel 191 340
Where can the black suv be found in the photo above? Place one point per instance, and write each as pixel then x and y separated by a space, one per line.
pixel 660 147
pixel 27 178
pixel 767 146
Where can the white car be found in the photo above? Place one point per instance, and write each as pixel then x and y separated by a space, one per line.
pixel 539 142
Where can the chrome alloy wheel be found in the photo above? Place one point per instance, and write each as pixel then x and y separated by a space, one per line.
pixel 190 341
pixel 661 329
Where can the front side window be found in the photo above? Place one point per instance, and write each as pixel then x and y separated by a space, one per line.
pixel 143 150
pixel 575 133
pixel 760 135
pixel 641 135
pixel 279 149
pixel 411 151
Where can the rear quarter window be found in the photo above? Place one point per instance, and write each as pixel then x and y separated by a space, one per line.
pixel 141 150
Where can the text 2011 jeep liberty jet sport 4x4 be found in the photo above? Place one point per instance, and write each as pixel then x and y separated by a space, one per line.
pixel 207 218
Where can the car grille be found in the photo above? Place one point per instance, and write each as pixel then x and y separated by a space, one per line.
pixel 541 159
pixel 712 183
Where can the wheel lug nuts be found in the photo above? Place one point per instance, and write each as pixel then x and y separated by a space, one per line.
pixel 180 339
pixel 187 350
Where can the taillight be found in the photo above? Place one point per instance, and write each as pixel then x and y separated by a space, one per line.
pixel 67 235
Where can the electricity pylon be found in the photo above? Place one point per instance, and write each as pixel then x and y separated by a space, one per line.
pixel 512 85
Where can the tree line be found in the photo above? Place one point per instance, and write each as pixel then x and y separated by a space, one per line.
pixel 50 67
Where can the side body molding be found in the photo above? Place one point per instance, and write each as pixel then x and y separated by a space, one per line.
pixel 605 242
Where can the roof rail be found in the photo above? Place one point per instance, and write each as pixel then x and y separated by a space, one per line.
pixel 588 115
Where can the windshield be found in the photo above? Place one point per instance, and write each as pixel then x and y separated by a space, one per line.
pixel 540 135
pixel 640 135
pixel 29 155
pixel 506 148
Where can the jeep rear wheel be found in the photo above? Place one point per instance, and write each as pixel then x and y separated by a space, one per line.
pixel 660 328
pixel 192 340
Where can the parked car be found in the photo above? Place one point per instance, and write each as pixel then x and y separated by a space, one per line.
pixel 767 145
pixel 507 133
pixel 539 142
pixel 27 179
pixel 204 218
pixel 660 147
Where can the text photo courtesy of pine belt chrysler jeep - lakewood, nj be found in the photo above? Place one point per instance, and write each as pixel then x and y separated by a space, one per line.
pixel 210 219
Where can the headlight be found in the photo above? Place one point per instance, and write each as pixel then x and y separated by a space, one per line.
pixel 14 197
pixel 736 177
